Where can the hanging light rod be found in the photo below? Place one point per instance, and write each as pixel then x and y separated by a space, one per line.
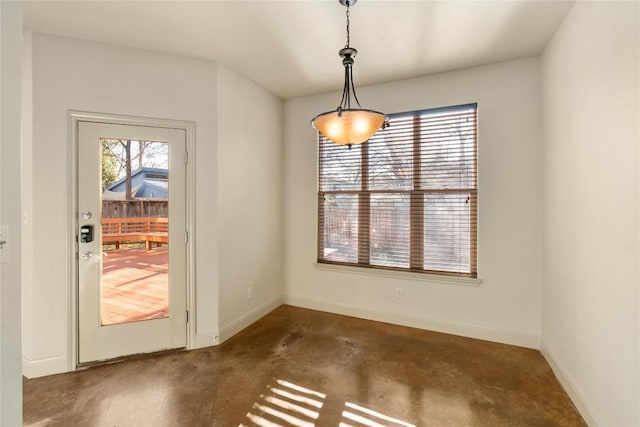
pixel 346 125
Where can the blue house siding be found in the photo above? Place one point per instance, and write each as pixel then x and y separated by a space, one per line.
pixel 146 183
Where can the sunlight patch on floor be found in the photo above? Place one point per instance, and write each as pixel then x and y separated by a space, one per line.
pixel 286 404
pixel 289 404
pixel 370 417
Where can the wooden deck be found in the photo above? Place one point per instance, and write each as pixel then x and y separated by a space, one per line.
pixel 135 285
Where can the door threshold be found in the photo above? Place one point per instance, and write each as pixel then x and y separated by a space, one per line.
pixel 86 365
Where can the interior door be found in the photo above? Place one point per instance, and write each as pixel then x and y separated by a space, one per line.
pixel 131 240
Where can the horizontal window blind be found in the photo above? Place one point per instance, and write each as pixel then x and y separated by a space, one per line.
pixel 407 198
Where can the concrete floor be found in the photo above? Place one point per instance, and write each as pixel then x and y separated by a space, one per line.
pixel 299 367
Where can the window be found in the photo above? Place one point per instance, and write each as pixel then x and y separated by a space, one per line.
pixel 406 199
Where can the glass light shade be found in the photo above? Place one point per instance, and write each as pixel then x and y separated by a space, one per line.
pixel 353 126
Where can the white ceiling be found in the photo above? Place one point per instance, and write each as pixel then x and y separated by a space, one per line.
pixel 290 47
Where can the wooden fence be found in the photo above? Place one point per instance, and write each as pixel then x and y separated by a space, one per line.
pixel 135 208
pixel 341 228
pixel 447 242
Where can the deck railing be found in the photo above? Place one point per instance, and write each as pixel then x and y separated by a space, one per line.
pixel 149 230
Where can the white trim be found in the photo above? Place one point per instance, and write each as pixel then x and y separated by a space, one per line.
pixel 247 319
pixel 461 329
pixel 72 245
pixel 205 340
pixel 190 224
pixel 73 119
pixel 579 399
pixel 407 275
pixel 117 119
pixel 43 367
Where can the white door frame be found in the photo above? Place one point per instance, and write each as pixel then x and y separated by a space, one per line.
pixel 73 119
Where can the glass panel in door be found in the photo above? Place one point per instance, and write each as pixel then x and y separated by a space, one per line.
pixel 135 231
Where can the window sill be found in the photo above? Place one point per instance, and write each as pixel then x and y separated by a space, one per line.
pixel 406 275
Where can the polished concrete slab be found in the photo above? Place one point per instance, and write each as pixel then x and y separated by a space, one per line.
pixel 298 367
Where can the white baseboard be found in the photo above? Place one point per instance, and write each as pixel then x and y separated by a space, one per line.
pixel 229 330
pixel 44 367
pixel 57 365
pixel 205 340
pixel 582 403
pixel 470 331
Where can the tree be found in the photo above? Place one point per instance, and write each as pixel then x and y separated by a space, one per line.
pixel 116 154
pixel 120 155
pixel 127 168
pixel 109 167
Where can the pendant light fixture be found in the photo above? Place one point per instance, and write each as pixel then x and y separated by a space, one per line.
pixel 346 125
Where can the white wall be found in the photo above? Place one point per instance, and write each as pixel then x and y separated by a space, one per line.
pixel 590 318
pixel 70 74
pixel 250 200
pixel 506 305
pixel 10 111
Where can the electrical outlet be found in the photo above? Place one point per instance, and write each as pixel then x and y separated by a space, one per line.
pixel 399 292
pixel 250 292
